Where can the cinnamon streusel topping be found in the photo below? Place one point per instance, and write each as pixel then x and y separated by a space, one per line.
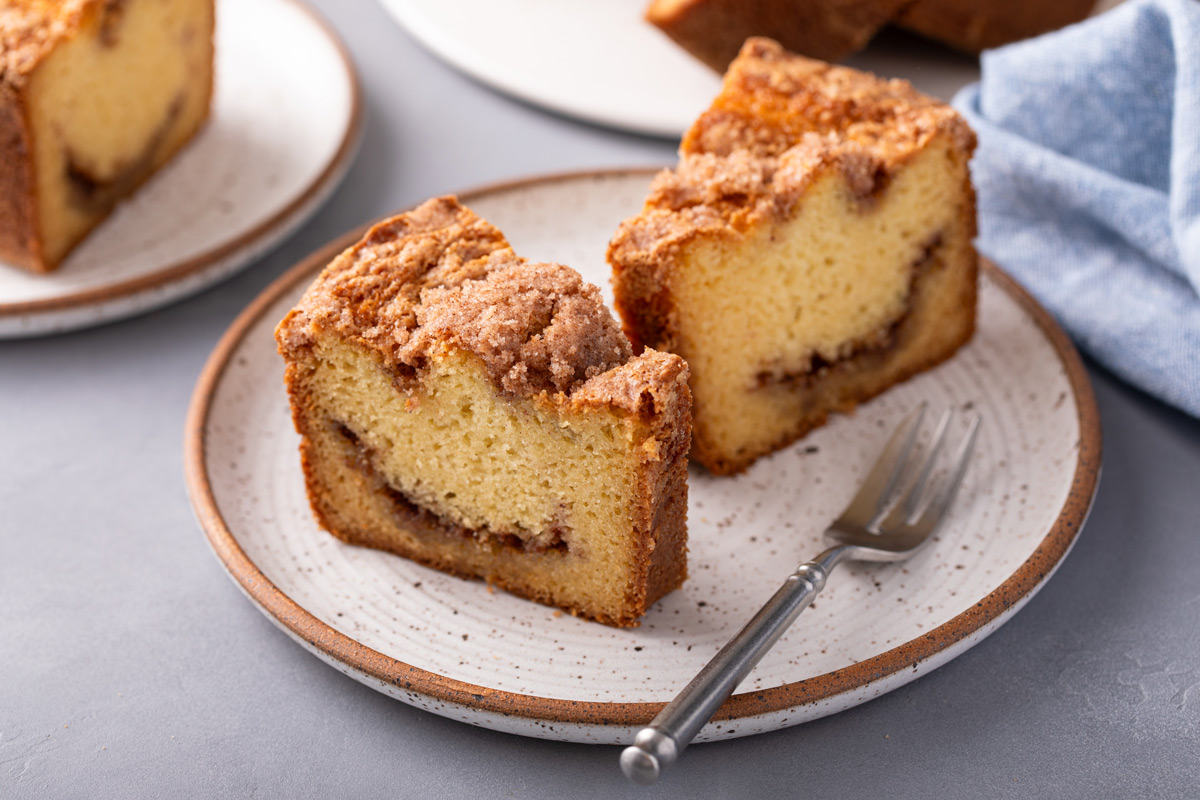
pixel 780 121
pixel 772 98
pixel 441 276
pixel 30 28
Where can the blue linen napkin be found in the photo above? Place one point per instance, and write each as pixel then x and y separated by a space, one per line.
pixel 1088 177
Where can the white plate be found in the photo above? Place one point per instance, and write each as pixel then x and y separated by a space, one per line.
pixel 600 61
pixel 458 649
pixel 285 125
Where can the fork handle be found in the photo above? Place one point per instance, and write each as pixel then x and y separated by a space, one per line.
pixel 657 746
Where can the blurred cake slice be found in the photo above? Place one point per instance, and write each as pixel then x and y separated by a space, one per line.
pixel 714 30
pixel 484 415
pixel 95 95
pixel 976 25
pixel 812 248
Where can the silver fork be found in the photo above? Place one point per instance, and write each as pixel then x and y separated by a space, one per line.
pixel 874 527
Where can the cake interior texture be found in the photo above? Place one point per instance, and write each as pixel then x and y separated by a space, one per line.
pixel 96 96
pixel 812 249
pixel 485 416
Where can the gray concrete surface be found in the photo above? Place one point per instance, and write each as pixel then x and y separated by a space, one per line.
pixel 131 666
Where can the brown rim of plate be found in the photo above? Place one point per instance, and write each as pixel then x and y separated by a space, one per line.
pixel 174 272
pixel 363 660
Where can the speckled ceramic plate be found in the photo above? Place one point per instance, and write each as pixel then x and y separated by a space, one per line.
pixel 285 124
pixel 458 649
pixel 624 72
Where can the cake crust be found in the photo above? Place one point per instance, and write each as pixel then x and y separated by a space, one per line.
pixel 19 242
pixel 29 29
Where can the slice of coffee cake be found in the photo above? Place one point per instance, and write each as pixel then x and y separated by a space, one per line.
pixel 485 416
pixel 95 95
pixel 811 249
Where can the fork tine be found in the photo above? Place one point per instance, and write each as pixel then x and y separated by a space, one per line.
pixel 941 502
pixel 939 438
pixel 906 507
pixel 873 494
pixel 658 745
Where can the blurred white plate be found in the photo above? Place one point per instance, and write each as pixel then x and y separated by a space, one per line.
pixel 600 61
pixel 455 648
pixel 285 124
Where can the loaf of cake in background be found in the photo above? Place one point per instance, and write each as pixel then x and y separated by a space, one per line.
pixel 95 95
pixel 812 248
pixel 714 30
pixel 975 25
pixel 484 415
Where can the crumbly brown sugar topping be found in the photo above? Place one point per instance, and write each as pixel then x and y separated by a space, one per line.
pixel 780 120
pixel 743 177
pixel 29 28
pixel 712 194
pixel 441 275
pixel 537 327
pixel 771 99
